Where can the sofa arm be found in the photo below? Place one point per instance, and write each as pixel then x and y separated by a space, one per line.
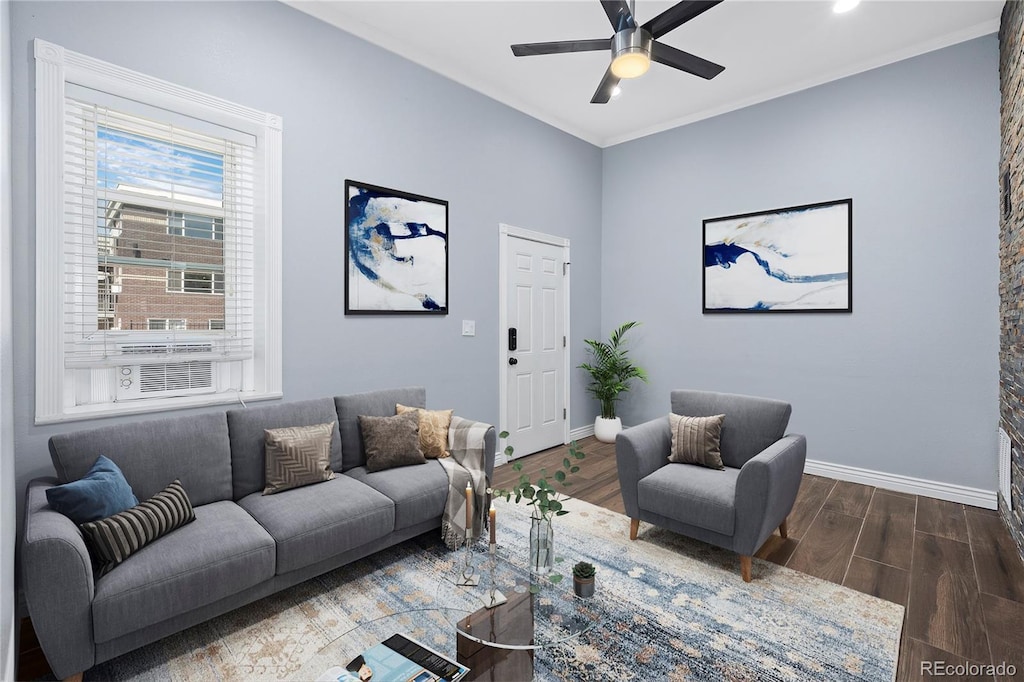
pixel 766 490
pixel 490 440
pixel 56 573
pixel 640 451
pixel 490 449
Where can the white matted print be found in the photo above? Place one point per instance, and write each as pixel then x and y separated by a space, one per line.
pixel 796 259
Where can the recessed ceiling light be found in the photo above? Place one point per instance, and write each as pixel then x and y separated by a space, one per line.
pixel 842 6
pixel 616 91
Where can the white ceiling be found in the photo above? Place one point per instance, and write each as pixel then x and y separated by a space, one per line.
pixel 769 48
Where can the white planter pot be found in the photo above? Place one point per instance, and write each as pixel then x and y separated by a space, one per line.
pixel 605 430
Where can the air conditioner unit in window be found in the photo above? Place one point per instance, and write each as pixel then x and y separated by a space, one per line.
pixel 155 379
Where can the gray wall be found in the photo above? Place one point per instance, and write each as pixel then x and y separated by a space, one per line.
pixel 350 110
pixel 7 489
pixel 907 383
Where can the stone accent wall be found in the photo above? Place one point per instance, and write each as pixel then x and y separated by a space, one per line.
pixel 1011 257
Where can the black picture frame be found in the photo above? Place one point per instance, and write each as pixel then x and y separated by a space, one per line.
pixel 396 252
pixel 799 260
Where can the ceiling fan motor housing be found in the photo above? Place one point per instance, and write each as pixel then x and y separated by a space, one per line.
pixel 631 52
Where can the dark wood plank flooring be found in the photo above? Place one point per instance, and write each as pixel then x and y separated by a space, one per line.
pixel 955 568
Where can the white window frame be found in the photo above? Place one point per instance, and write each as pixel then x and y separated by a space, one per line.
pixel 167 323
pixel 55 384
pixel 214 291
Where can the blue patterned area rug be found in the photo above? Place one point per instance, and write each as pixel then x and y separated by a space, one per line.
pixel 673 609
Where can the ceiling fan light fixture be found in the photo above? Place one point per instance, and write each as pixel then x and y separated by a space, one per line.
pixel 631 53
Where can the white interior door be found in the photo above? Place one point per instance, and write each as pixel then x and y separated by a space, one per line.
pixel 534 338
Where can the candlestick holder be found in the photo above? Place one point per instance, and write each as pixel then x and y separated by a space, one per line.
pixel 467 577
pixel 494 596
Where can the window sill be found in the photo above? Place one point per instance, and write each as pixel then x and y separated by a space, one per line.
pixel 83 412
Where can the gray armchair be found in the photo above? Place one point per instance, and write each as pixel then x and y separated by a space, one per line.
pixel 736 508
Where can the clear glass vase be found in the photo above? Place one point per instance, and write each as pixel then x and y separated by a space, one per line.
pixel 542 544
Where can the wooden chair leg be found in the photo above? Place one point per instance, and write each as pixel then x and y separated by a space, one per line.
pixel 634 527
pixel 77 677
pixel 784 528
pixel 745 566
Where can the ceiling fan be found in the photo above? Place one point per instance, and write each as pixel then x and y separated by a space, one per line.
pixel 634 47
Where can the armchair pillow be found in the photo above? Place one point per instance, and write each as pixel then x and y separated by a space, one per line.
pixel 297 456
pixel 697 440
pixel 102 492
pixel 114 539
pixel 434 425
pixel 391 441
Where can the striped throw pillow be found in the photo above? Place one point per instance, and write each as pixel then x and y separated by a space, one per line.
pixel 115 538
pixel 697 440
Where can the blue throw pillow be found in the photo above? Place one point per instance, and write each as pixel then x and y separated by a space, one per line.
pixel 102 492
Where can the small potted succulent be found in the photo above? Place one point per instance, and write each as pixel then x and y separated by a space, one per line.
pixel 583 579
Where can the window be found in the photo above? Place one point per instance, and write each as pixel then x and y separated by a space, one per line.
pixel 156 324
pixel 159 228
pixel 195 226
pixel 192 282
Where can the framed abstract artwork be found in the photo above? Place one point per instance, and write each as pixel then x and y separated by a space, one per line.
pixel 795 260
pixel 396 252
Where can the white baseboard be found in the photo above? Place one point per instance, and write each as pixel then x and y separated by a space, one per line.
pixel 976 497
pixel 582 432
pixel 500 458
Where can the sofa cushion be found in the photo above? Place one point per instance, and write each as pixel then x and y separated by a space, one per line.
pixel 115 538
pixel 391 442
pixel 374 404
pixel 434 426
pixel 223 552
pixel 704 497
pixel 247 438
pixel 154 452
pixel 102 492
pixel 316 522
pixel 419 492
pixel 751 423
pixel 696 440
pixel 298 456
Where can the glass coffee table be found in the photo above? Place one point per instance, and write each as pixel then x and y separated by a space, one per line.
pixel 538 611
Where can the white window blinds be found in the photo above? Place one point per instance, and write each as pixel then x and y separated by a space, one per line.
pixel 159 225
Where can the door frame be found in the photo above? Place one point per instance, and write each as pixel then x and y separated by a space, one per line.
pixel 504 233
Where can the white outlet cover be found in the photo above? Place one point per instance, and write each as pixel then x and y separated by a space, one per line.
pixel 469 327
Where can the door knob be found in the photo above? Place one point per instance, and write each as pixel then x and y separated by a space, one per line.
pixel 513 361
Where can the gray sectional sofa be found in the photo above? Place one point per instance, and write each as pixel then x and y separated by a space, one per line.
pixel 242 546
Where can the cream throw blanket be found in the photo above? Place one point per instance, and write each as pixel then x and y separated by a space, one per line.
pixel 466 465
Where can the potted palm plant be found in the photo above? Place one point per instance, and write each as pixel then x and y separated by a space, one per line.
pixel 610 371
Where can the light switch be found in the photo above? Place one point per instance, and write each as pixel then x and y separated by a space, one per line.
pixel 469 327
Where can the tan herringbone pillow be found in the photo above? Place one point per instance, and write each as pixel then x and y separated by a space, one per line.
pixel 297 456
pixel 434 426
pixel 697 440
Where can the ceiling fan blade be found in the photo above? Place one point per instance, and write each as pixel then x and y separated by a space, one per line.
pixel 604 90
pixel 677 15
pixel 618 14
pixel 684 61
pixel 561 46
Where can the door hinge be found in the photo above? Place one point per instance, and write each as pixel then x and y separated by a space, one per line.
pixel 565 268
pixel 563 413
pixel 563 342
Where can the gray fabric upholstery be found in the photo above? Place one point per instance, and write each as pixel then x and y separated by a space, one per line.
pixel 640 451
pixel 418 491
pixel 374 404
pixel 56 573
pixel 751 424
pixel 315 522
pixel 703 497
pixel 153 453
pixel 246 429
pixel 737 508
pixel 766 490
pixel 223 552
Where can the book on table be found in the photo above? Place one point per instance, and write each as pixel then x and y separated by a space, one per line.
pixel 397 659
